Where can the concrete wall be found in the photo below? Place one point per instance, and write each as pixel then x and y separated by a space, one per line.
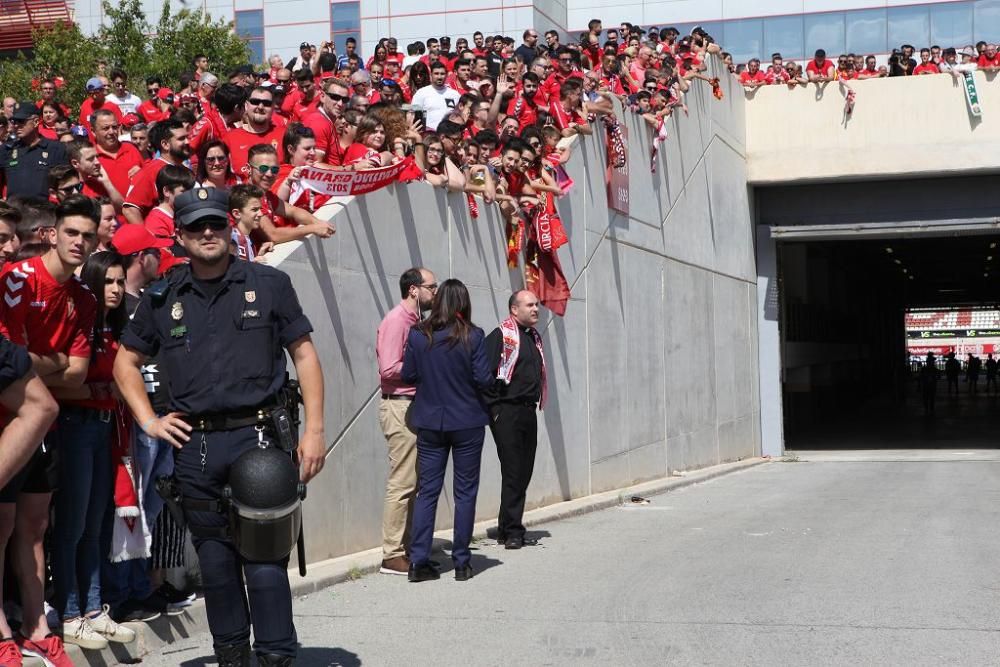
pixel 901 127
pixel 652 369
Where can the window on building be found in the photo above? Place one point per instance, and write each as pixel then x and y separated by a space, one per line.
pixel 744 39
pixel 824 31
pixel 986 20
pixel 866 31
pixel 783 34
pixel 910 25
pixel 345 21
pixel 340 38
pixel 250 26
pixel 951 24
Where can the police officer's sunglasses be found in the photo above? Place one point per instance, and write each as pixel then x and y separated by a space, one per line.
pixel 200 225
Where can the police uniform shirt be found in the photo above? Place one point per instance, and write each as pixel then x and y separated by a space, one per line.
pixel 152 371
pixel 221 342
pixel 26 168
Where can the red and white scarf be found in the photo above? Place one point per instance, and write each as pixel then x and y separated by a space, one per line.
pixel 130 535
pixel 511 348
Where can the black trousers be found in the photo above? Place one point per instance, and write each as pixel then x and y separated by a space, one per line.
pixel 223 570
pixel 515 431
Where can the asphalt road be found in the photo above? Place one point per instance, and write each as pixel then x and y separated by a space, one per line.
pixel 800 563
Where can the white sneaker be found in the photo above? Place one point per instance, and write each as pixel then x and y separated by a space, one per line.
pixel 79 631
pixel 103 625
pixel 52 616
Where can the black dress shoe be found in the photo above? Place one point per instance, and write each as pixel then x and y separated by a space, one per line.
pixel 463 573
pixel 271 660
pixel 513 543
pixel 424 572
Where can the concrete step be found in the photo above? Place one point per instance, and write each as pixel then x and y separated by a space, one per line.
pixel 151 637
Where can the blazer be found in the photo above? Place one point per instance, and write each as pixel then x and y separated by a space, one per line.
pixel 449 380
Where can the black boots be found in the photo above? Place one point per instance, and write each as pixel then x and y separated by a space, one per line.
pixel 238 655
pixel 233 655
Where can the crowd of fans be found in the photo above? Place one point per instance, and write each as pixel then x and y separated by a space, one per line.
pixel 485 118
pixel 853 66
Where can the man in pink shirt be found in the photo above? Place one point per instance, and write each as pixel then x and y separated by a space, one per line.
pixel 417 287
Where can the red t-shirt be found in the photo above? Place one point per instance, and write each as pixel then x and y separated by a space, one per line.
pixel 777 75
pixel 101 369
pixel 118 166
pixel 327 140
pixel 448 64
pixel 87 109
pixel 43 315
pixel 982 61
pixel 151 113
pixel 160 222
pixel 240 140
pixel 269 204
pixel 555 81
pixel 358 152
pixel 757 77
pixel 820 70
pixel 142 192
pixel 929 68
pixel 524 109
pixel 295 106
pixel 564 118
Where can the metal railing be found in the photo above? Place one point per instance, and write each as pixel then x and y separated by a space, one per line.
pixel 18 18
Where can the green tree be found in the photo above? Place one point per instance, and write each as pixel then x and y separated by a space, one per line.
pixel 181 36
pixel 128 41
pixel 124 35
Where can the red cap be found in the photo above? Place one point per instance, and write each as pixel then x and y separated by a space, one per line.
pixel 130 239
pixel 130 120
pixel 168 261
pixel 164 93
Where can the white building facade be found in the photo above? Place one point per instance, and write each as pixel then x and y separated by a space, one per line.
pixel 746 28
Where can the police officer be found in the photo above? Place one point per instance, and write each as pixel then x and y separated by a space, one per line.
pixel 221 327
pixel 26 161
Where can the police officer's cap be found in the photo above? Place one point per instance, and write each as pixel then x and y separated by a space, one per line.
pixel 193 205
pixel 24 111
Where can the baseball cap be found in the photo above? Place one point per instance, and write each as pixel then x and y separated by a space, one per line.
pixel 130 120
pixel 168 260
pixel 193 205
pixel 304 45
pixel 130 239
pixel 24 111
pixel 94 83
pixel 165 94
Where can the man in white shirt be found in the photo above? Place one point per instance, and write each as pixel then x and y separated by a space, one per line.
pixel 126 101
pixel 437 99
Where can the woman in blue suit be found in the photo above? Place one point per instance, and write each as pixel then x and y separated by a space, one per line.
pixel 446 361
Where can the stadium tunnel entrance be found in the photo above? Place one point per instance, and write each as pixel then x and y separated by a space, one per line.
pixel 862 290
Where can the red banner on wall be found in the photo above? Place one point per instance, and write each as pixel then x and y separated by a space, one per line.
pixel 335 183
pixel 617 179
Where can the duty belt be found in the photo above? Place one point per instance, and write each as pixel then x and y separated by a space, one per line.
pixel 229 422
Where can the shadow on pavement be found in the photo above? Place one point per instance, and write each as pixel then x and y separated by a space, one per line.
pixel 309 656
